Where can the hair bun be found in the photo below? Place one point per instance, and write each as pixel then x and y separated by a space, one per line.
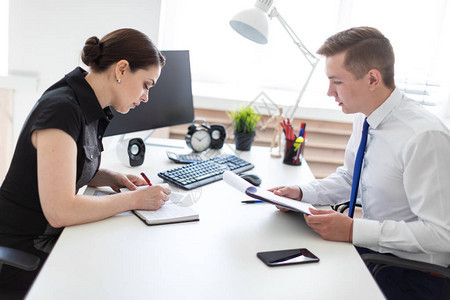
pixel 91 50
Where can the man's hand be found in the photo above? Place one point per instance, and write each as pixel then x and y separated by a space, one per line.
pixel 331 225
pixel 292 191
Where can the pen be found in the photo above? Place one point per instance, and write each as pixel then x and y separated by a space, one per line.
pixel 288 130
pixel 297 158
pixel 251 201
pixel 302 130
pixel 146 178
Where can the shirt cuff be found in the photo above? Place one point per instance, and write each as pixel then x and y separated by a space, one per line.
pixel 309 193
pixel 366 232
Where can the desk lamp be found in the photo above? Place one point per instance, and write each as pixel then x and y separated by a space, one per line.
pixel 253 24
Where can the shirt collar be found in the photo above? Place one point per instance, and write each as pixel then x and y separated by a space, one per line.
pixel 379 114
pixel 85 96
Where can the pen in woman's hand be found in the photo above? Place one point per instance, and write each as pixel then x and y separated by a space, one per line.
pixel 146 178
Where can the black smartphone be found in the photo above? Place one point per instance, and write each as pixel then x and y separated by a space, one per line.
pixel 287 257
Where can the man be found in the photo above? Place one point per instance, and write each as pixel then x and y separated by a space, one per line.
pixel 405 179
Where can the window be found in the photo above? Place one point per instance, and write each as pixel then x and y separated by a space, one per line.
pixel 419 32
pixel 4 20
pixel 226 65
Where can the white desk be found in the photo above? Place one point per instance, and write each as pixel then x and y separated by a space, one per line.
pixel 215 258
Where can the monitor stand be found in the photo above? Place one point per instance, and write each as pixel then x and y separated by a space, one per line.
pixel 157 144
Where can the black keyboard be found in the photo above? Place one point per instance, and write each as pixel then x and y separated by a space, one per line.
pixel 200 173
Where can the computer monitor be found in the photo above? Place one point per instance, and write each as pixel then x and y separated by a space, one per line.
pixel 170 100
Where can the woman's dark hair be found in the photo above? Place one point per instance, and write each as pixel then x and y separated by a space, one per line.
pixel 128 44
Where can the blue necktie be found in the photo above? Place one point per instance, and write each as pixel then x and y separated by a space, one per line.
pixel 357 170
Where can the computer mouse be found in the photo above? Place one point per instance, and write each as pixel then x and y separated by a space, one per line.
pixel 252 178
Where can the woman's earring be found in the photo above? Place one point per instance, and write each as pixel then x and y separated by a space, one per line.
pixel 118 80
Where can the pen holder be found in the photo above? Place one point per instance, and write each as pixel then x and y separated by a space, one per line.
pixel 293 153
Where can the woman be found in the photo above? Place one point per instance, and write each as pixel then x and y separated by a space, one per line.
pixel 58 150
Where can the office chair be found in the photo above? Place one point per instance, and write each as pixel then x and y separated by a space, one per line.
pixel 18 259
pixel 345 205
pixel 381 261
pixel 377 262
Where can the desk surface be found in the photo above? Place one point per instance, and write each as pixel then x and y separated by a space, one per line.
pixel 215 258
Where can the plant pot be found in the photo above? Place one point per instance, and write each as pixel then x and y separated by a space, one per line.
pixel 243 141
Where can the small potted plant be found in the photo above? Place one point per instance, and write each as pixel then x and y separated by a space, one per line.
pixel 244 121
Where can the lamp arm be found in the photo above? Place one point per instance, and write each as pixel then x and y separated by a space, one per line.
pixel 313 60
pixel 302 91
pixel 309 56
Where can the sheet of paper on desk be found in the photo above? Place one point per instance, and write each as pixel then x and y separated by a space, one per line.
pixel 260 194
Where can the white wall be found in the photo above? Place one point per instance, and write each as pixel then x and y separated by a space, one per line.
pixel 46 38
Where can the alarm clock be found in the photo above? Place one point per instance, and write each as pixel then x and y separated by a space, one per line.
pixel 201 137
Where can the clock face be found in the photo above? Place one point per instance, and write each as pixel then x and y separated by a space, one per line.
pixel 200 140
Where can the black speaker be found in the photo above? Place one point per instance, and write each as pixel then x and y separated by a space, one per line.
pixel 131 152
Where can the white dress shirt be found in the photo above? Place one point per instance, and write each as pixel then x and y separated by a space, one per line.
pixel 404 185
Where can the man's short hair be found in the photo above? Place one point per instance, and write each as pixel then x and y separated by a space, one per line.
pixel 366 48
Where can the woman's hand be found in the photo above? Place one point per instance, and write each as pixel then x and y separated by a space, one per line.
pixel 148 198
pixel 292 191
pixel 116 180
pixel 128 181
pixel 152 197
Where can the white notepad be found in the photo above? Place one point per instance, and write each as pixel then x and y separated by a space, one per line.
pixel 175 210
pixel 168 213
pixel 172 211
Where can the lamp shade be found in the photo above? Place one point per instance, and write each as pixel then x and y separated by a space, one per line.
pixel 253 24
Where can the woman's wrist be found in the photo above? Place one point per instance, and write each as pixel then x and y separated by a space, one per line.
pixel 103 177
